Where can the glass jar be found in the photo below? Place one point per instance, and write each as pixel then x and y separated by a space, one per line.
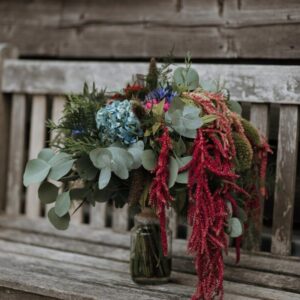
pixel 148 265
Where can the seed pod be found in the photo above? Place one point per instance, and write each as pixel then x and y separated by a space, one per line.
pixel 251 133
pixel 152 77
pixel 244 152
pixel 137 185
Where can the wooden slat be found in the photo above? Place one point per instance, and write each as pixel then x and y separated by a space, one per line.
pixel 58 103
pixel 173 221
pixel 5 52
pixel 120 219
pixel 259 116
pixel 16 154
pixel 36 143
pixel 285 180
pixel 224 29
pixel 249 83
pixel 98 215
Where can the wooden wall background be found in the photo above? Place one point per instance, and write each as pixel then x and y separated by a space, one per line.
pixel 267 29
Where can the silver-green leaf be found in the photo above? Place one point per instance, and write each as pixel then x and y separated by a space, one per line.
pixel 36 171
pixel 60 223
pixel 47 192
pixel 149 159
pixel 62 204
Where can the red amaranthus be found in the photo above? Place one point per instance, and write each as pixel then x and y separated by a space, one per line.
pixel 159 190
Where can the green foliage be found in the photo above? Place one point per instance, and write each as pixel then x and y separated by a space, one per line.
pixel 60 223
pixel 47 192
pixel 85 168
pixel 251 133
pixel 235 227
pixel 184 119
pixel 61 164
pixel 173 171
pixel 234 106
pixel 36 171
pixel 62 204
pixel 149 159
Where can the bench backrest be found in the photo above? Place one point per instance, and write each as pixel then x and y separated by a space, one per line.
pixel 32 92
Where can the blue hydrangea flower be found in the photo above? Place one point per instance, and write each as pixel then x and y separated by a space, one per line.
pixel 161 93
pixel 117 122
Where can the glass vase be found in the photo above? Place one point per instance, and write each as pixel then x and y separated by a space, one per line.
pixel 148 265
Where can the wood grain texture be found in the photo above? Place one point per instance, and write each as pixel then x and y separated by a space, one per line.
pixel 259 116
pixel 16 155
pixel 120 219
pixel 98 215
pixel 285 180
pixel 41 256
pixel 5 53
pixel 36 143
pixel 249 83
pixel 209 29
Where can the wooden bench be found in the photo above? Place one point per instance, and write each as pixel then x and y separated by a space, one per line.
pixel 90 260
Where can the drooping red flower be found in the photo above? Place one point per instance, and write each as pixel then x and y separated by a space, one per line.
pixel 159 191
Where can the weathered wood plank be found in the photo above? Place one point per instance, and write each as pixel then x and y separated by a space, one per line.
pixel 16 155
pixel 287 153
pixel 36 143
pixel 5 52
pixel 259 116
pixel 120 219
pixel 222 28
pixel 13 294
pixel 232 290
pixel 249 83
pixel 86 235
pixel 98 215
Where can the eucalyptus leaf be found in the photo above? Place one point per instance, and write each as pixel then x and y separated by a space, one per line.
pixel 47 192
pixel 182 177
pixel 59 159
pixel 173 171
pixel 85 168
pixel 61 169
pixel 104 178
pixel 179 147
pixel 235 227
pixel 121 156
pixel 120 169
pixel 101 157
pixel 149 159
pixel 186 77
pixel 62 204
pixel 60 223
pixel 102 195
pixel 36 171
pixel 46 154
pixel 235 106
pixel 136 150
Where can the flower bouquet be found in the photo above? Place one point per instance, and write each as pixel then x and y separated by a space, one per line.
pixel 163 141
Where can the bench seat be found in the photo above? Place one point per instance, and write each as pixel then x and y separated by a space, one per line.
pixel 39 262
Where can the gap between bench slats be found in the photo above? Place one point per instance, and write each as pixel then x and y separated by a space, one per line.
pixel 285 180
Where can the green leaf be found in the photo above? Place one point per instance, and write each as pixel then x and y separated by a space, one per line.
pixel 121 156
pixel 85 168
pixel 173 171
pixel 46 154
pixel 149 159
pixel 62 204
pixel 158 109
pixel 104 178
pixel 60 223
pixel 235 107
pixel 136 150
pixel 183 176
pixel 47 192
pixel 61 169
pixel 187 77
pixel 36 171
pixel 179 147
pixel 101 157
pixel 59 159
pixel 235 227
pixel 208 118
